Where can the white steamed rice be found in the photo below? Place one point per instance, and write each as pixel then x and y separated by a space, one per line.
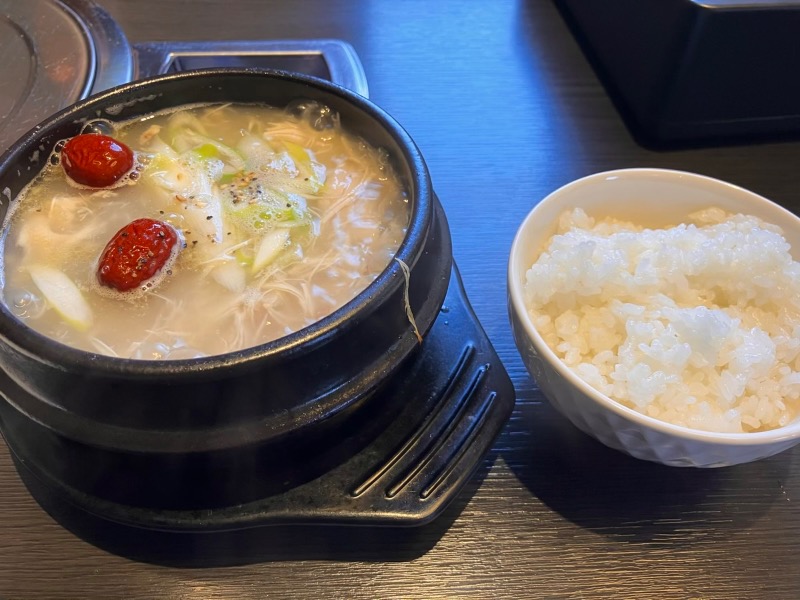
pixel 697 324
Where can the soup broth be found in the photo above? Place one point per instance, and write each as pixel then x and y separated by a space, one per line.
pixel 282 218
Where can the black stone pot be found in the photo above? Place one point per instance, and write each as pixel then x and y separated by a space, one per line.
pixel 203 432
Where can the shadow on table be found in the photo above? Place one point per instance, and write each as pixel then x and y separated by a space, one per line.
pixel 633 500
pixel 261 544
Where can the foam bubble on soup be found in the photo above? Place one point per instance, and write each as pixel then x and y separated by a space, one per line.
pixel 282 221
pixel 697 324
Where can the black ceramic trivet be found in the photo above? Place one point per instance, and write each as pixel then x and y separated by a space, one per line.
pixel 442 412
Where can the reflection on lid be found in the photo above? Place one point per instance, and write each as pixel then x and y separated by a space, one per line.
pixel 46 62
pixel 52 54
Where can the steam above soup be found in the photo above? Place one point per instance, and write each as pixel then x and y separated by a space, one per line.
pixel 204 230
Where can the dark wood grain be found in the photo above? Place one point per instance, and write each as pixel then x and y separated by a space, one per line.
pixel 505 107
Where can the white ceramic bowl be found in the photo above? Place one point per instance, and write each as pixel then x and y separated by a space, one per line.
pixel 652 197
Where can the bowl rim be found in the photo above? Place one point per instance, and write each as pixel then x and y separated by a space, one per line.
pixel 517 303
pixel 56 354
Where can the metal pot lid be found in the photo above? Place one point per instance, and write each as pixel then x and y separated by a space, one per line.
pixel 52 54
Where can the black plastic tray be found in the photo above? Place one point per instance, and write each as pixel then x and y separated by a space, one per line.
pixel 446 407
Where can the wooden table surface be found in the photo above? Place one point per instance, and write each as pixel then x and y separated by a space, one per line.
pixel 505 107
